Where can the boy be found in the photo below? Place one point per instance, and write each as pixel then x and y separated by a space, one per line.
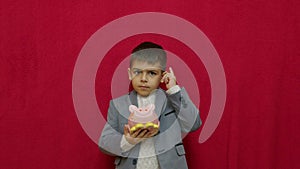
pixel 150 149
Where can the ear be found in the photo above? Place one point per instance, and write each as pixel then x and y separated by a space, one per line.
pixel 132 108
pixel 129 74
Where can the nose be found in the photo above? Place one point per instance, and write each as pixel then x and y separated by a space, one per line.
pixel 144 77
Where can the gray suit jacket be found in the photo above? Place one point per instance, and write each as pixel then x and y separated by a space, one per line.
pixel 177 115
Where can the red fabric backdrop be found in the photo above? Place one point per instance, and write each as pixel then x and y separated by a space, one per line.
pixel 257 43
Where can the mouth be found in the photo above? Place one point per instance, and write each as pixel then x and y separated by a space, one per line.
pixel 144 87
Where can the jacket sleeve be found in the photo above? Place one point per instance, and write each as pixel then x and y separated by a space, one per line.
pixel 110 138
pixel 187 113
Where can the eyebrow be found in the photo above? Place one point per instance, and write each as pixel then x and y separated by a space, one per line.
pixel 157 71
pixel 150 69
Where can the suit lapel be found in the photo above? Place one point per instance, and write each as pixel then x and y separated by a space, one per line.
pixel 160 100
pixel 133 98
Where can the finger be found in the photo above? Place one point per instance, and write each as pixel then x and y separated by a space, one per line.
pixel 163 78
pixel 153 132
pixel 145 133
pixel 139 134
pixel 149 132
pixel 167 77
pixel 142 133
pixel 135 133
pixel 148 135
pixel 171 71
pixel 151 129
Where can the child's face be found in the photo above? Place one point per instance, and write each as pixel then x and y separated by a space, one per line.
pixel 145 78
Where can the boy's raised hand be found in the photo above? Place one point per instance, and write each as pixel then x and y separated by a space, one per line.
pixel 169 78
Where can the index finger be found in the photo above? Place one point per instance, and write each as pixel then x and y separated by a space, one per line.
pixel 135 133
pixel 171 70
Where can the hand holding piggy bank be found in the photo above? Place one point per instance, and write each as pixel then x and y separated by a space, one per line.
pixel 144 117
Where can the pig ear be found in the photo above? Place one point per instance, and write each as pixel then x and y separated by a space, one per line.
pixel 132 108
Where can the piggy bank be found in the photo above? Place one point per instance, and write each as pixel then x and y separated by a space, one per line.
pixel 144 117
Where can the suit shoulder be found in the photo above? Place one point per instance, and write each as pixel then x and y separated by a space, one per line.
pixel 120 98
pixel 120 101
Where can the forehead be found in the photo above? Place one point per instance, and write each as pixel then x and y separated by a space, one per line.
pixel 144 65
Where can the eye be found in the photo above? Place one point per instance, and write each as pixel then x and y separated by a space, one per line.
pixel 136 72
pixel 152 73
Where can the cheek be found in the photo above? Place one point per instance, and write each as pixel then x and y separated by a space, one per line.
pixel 134 82
pixel 156 82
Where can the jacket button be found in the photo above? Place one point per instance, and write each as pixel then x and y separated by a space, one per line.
pixel 134 161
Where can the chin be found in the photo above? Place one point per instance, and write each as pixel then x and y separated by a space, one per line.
pixel 144 94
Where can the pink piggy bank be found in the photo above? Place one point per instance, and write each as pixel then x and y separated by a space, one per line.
pixel 144 117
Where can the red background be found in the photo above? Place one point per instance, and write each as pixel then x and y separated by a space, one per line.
pixel 257 44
